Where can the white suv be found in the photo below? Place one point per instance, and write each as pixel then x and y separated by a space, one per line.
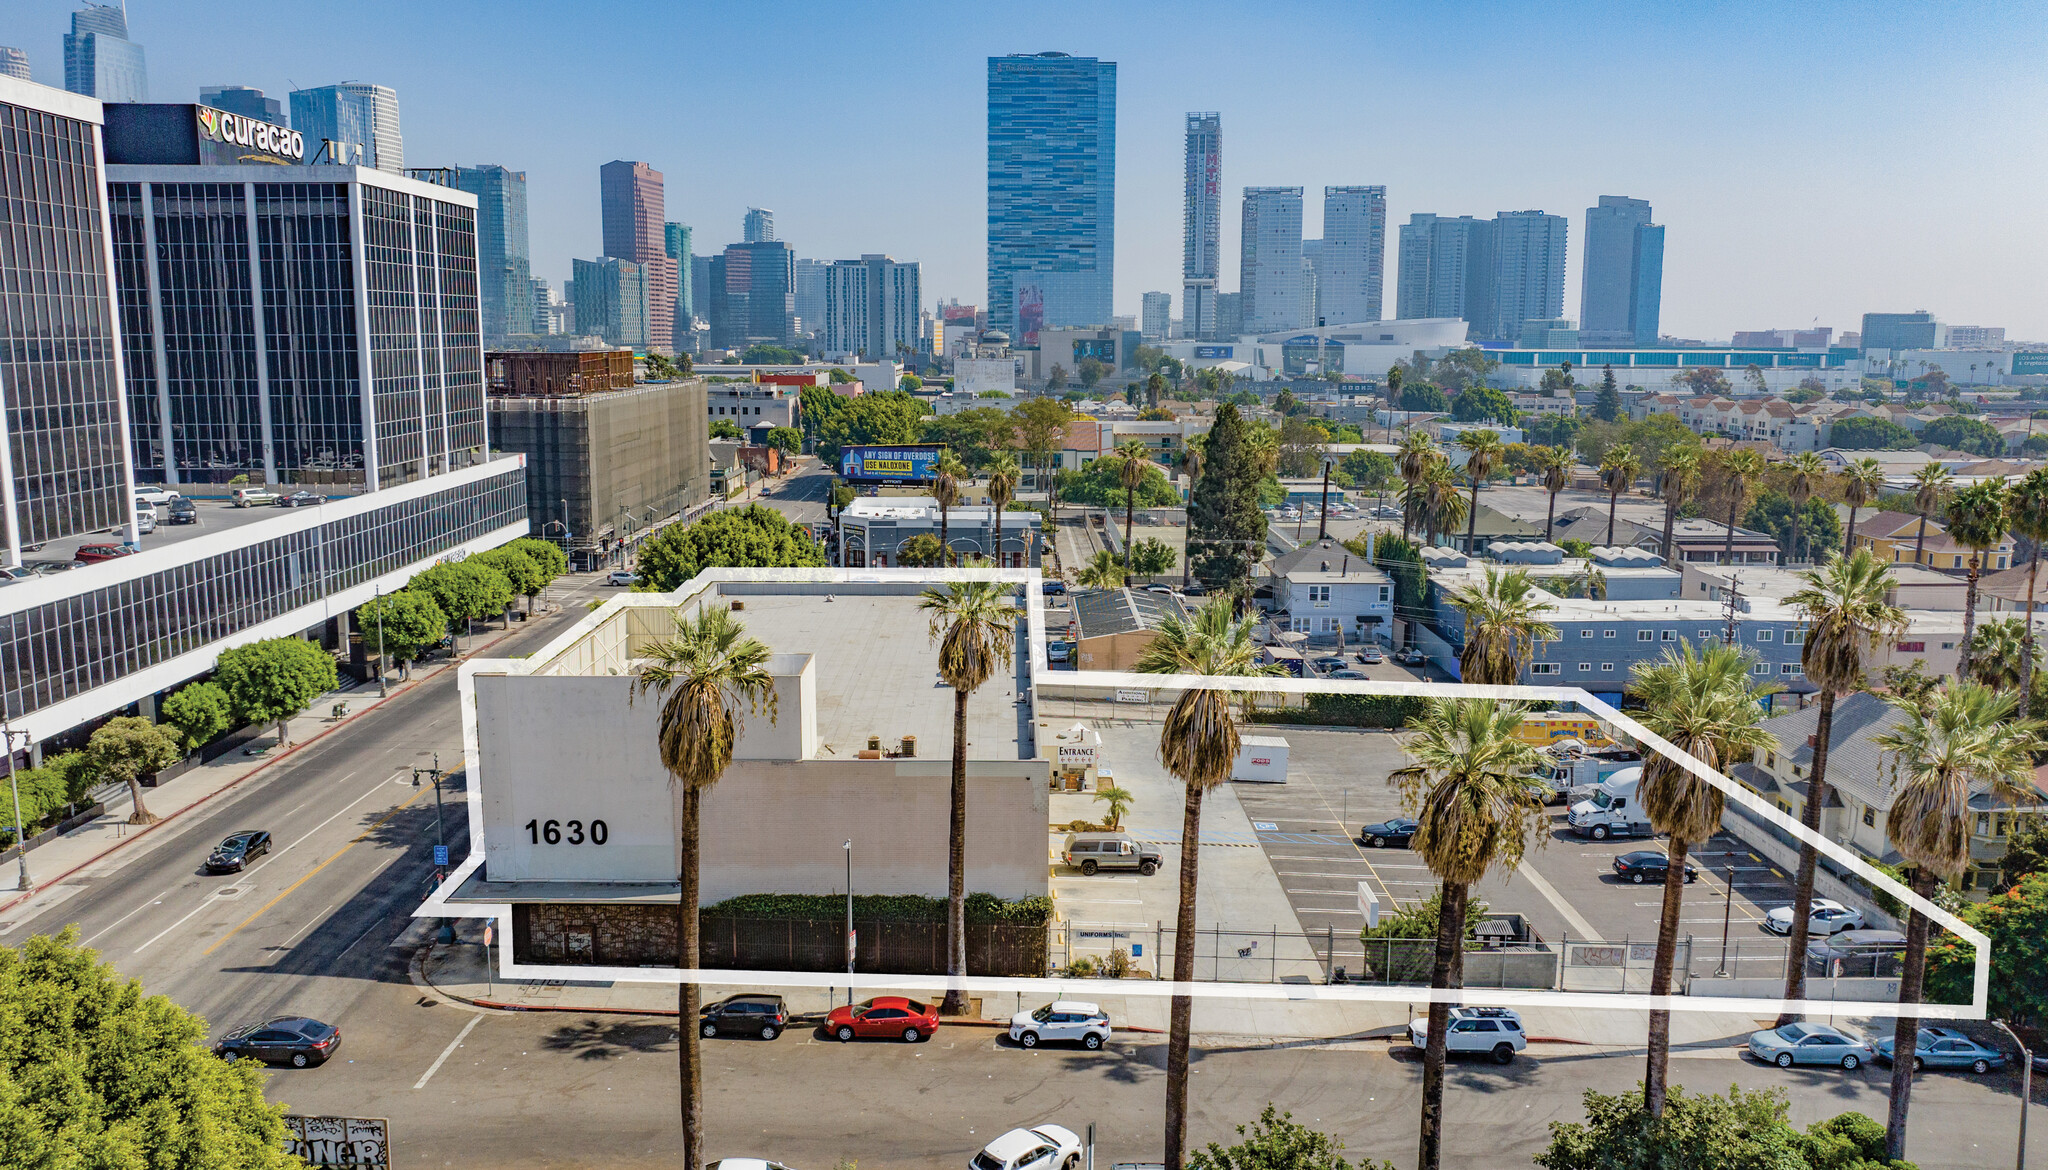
pixel 1491 1030
pixel 1064 1019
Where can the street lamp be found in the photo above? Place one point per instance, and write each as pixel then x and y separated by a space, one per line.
pixel 383 688
pixel 849 923
pixel 447 932
pixel 14 789
pixel 1727 910
pixel 2026 1089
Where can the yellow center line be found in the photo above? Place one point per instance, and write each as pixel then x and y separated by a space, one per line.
pixel 309 877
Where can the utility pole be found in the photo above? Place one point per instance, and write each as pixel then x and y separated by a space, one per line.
pixel 1323 521
pixel 383 688
pixel 447 932
pixel 1734 603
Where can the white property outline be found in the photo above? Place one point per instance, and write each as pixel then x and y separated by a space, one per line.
pixel 1107 683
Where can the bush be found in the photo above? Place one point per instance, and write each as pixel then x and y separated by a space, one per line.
pixel 1346 711
pixel 883 908
pixel 1277 1142
pixel 1705 1131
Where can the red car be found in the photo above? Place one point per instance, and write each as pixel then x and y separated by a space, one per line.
pixel 92 553
pixel 886 1015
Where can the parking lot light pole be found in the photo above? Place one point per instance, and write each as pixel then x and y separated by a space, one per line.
pixel 2026 1089
pixel 849 922
pixel 14 790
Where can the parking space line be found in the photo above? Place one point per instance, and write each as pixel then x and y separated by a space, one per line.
pixel 449 1051
pixel 1557 902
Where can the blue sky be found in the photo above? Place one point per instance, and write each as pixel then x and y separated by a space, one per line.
pixel 1809 161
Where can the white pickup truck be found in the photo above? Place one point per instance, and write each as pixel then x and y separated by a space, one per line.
pixel 1612 810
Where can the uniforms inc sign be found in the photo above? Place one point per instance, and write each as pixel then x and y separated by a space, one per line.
pixel 232 138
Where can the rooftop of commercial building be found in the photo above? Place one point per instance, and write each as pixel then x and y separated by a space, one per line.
pixel 1123 611
pixel 918 508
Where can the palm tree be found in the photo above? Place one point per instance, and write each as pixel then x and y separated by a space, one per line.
pixel 1483 450
pixel 947 472
pixel 2026 508
pixel 1861 483
pixel 1264 444
pixel 1977 521
pixel 1808 473
pixel 1704 704
pixel 1197 743
pixel 1132 476
pixel 1503 627
pixel 1556 465
pixel 1930 484
pixel 1849 616
pixel 1998 653
pixel 1681 482
pixel 709 676
pixel 1618 471
pixel 1394 379
pixel 1739 469
pixel 1003 477
pixel 1443 504
pixel 1416 454
pixel 1472 792
pixel 1119 801
pixel 975 627
pixel 1970 736
pixel 1104 572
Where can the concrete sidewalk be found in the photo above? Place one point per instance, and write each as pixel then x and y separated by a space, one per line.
pixel 61 857
pixel 458 971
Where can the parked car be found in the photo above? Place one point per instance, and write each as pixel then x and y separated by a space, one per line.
pixel 1347 675
pixel 622 577
pixel 1866 954
pixel 744 1164
pixel 1042 1147
pixel 1496 1032
pixel 1065 1019
pixel 184 511
pixel 294 1040
pixel 93 554
pixel 1330 662
pixel 1395 832
pixel 1089 852
pixel 45 568
pixel 1410 657
pixel 249 497
pixel 744 1015
pixel 1648 865
pixel 1158 588
pixel 1053 588
pixel 237 851
pixel 1946 1048
pixel 156 495
pixel 1371 656
pixel 1828 917
pixel 301 499
pixel 1809 1044
pixel 145 517
pixel 16 572
pixel 887 1015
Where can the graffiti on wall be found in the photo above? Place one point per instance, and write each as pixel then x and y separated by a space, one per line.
pixel 359 1142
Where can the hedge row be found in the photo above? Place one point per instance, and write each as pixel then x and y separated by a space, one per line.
pixel 883 908
pixel 1346 711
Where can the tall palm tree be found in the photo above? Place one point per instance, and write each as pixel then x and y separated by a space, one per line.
pixel 1680 482
pixel 1417 453
pixel 1503 626
pixel 2026 508
pixel 709 677
pixel 947 472
pixel 1848 618
pixel 1003 477
pixel 1619 472
pixel 1969 737
pixel 1443 503
pixel 1556 465
pixel 1808 473
pixel 975 627
pixel 1472 792
pixel 1132 476
pixel 1394 379
pixel 1264 444
pixel 1977 521
pixel 1702 702
pixel 1483 451
pixel 1197 743
pixel 1739 469
pixel 1862 481
pixel 1998 653
pixel 1930 484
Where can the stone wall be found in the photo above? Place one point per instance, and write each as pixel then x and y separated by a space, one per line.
pixel 610 936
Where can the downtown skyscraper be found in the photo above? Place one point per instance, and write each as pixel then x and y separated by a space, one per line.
pixel 1270 275
pixel 634 204
pixel 1350 268
pixel 1528 273
pixel 99 59
pixel 361 121
pixel 1621 290
pixel 1051 192
pixel 1201 225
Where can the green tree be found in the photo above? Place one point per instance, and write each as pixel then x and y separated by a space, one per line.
pixel 2015 919
pixel 1744 1130
pixel 1772 513
pixel 1739 470
pixel 1040 425
pixel 400 625
pixel 762 353
pixel 127 748
pixel 466 590
pixel 1977 520
pixel 755 536
pixel 947 474
pixel 1153 557
pixel 1462 368
pixel 200 712
pixel 910 382
pixel 1679 483
pixel 974 434
pixel 1808 475
pixel 1504 626
pixel 1056 378
pixel 708 678
pixel 522 573
pixel 1226 529
pixel 1607 408
pixel 1003 475
pixel 1483 452
pixel 1483 404
pixel 2026 507
pixel 1861 483
pixel 1870 434
pixel 1705 381
pixel 1425 397
pixel 1100 484
pixel 547 555
pixel 1555 464
pixel 1136 464
pixel 1091 371
pixel 275 679
pixel 1367 469
pixel 1973 435
pixel 1619 469
pixel 2026 851
pixel 724 428
pixel 789 440
pixel 1118 800
pixel 1277 1142
pixel 975 627
pixel 1552 430
pixel 1401 559
pixel 1103 571
pixel 103 1076
pixel 922 551
pixel 888 418
pixel 1998 653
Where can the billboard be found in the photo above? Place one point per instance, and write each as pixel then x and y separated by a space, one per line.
pixel 2030 362
pixel 887 464
pixel 1212 352
pixel 1102 351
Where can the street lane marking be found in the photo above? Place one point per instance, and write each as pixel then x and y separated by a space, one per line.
pixel 309 877
pixel 309 925
pixel 1550 895
pixel 123 918
pixel 449 1051
pixel 205 902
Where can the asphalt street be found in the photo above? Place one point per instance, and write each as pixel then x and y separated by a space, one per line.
pixel 802 496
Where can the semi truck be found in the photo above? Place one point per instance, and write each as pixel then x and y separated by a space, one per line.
pixel 1572 770
pixel 1612 810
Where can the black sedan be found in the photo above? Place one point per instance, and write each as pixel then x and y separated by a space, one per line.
pixel 301 499
pixel 237 851
pixel 292 1040
pixel 184 511
pixel 1648 865
pixel 1395 832
pixel 747 1015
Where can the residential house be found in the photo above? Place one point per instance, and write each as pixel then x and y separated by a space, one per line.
pixel 1893 537
pixel 1325 590
pixel 1694 541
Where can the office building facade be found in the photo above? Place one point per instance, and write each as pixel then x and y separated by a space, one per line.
pixel 240 99
pixel 611 299
pixel 1350 265
pixel 1051 192
pixel 759 227
pixel 807 285
pixel 1621 285
pixel 871 308
pixel 1155 318
pixel 753 295
pixel 676 242
pixel 14 63
pixel 1201 261
pixel 1446 267
pixel 503 262
pixel 353 124
pixel 99 59
pixel 1528 273
pixel 635 204
pixel 1897 331
pixel 1270 264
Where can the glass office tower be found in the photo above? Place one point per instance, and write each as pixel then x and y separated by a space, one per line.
pixel 1621 289
pixel 1270 275
pixel 360 120
pixel 99 59
pixel 503 263
pixel 1351 263
pixel 1201 225
pixel 1051 192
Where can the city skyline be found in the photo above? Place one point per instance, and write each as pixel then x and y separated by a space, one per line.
pixel 1778 249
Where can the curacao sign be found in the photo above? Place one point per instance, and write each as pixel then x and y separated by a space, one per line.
pixel 233 138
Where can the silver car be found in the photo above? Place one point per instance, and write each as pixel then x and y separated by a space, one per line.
pixel 1810 1044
